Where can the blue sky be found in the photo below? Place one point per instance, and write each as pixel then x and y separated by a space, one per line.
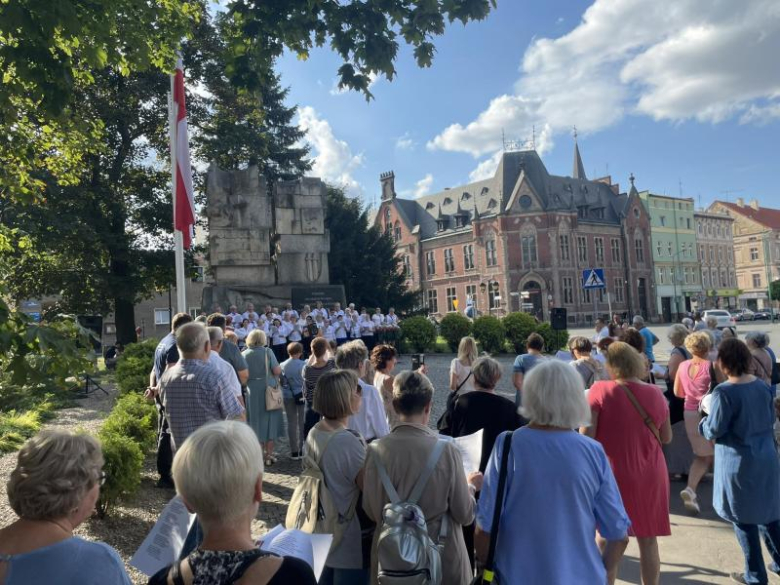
pixel 674 91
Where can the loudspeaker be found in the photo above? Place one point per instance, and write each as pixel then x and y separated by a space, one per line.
pixel 558 319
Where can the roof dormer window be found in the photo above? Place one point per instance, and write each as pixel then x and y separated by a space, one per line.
pixel 446 201
pixel 466 195
pixel 441 225
pixel 429 205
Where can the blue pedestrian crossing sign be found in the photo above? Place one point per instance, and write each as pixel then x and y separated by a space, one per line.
pixel 593 278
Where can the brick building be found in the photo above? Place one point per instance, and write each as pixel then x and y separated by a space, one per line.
pixel 520 241
pixel 756 249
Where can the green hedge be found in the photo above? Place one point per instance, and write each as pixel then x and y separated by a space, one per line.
pixel 553 340
pixel 418 333
pixel 453 328
pixel 123 460
pixel 134 365
pixel 518 327
pixel 489 333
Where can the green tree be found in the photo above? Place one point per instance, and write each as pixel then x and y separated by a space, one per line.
pixel 366 35
pixel 774 290
pixel 419 333
pixel 453 328
pixel 518 327
pixel 489 333
pixel 373 277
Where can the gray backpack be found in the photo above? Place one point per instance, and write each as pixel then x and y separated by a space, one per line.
pixel 406 553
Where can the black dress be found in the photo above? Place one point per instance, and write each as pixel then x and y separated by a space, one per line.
pixel 493 414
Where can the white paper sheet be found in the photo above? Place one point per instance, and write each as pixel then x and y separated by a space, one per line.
pixel 311 548
pixel 163 545
pixel 659 370
pixel 470 447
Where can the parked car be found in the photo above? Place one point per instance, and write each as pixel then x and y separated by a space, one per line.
pixel 762 315
pixel 725 319
pixel 743 315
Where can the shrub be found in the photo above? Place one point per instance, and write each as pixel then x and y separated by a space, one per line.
pixel 489 333
pixel 518 327
pixel 16 428
pixel 553 340
pixel 141 430
pixel 136 405
pixel 419 333
pixel 123 460
pixel 134 365
pixel 453 328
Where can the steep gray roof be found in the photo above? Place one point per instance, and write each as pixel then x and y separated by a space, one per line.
pixel 489 196
pixel 578 171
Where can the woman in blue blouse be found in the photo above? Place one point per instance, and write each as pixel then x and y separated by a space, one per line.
pixel 747 476
pixel 54 489
pixel 559 488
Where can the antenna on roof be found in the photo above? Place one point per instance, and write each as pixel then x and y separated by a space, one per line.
pixel 533 137
pixel 679 183
pixel 728 192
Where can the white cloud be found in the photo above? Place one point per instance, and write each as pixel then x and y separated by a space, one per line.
pixel 336 90
pixel 405 142
pixel 708 60
pixel 334 161
pixel 487 168
pixel 423 186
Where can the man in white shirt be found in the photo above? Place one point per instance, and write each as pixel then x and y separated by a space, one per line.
pixel 370 421
pixel 226 371
pixel 250 313
pixel 391 326
pixel 336 311
pixel 602 330
pixel 320 310
pixel 235 316
pixel 289 311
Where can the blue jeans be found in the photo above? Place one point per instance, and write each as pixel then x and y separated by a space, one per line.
pixel 310 418
pixel 748 538
pixel 331 576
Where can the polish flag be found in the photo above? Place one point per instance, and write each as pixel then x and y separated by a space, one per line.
pixel 183 202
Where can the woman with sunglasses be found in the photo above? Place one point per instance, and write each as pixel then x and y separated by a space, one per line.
pixel 53 489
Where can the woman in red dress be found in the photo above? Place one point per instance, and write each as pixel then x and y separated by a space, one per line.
pixel 631 420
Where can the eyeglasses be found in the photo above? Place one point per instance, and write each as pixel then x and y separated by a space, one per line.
pixel 102 478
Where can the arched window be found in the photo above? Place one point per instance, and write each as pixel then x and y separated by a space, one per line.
pixel 397 231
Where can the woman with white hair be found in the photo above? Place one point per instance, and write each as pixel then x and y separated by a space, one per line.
pixel 559 490
pixel 218 473
pixel 760 364
pixel 631 420
pixel 53 489
pixel 263 371
pixel 461 380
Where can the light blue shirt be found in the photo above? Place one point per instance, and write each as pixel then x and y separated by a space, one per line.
pixel 649 338
pixel 747 476
pixel 559 489
pixel 293 371
pixel 73 561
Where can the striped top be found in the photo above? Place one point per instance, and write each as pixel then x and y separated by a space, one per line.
pixel 310 376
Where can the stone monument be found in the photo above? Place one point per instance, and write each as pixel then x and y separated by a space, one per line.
pixel 260 244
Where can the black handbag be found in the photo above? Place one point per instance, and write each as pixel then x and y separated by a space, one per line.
pixel 444 420
pixel 488 575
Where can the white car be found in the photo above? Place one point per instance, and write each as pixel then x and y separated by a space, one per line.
pixel 724 318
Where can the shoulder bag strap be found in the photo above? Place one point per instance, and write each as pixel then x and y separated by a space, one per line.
pixel 758 361
pixel 488 575
pixel 384 478
pixel 464 381
pixel 430 465
pixel 643 413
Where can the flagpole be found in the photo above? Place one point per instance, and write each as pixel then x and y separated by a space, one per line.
pixel 178 240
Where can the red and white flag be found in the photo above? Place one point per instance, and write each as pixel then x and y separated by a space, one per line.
pixel 183 202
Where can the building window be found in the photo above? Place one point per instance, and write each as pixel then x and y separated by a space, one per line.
pixel 491 258
pixel 698 226
pixel 471 293
pixel 493 299
pixel 661 274
pixel 659 251
pixel 619 290
pixel 430 263
pixel 568 290
pixel 162 317
pixel 599 247
pixel 564 245
pixel 600 294
pixel 712 254
pixel 449 260
pixel 756 281
pixel 468 257
pixel 585 295
pixel 753 254
pixel 687 274
pixel 582 249
pixel 702 254
pixel 198 274
pixel 451 296
pixel 687 223
pixel 397 233
pixel 194 312
pixel 528 244
pixel 639 248
pixel 663 220
pixel 704 278
pixel 669 248
pixel 615 250
pixel 433 301
pixel 407 267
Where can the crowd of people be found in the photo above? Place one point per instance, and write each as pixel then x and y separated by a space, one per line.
pixel 570 469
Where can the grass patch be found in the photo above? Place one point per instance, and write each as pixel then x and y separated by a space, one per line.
pixel 23 409
pixel 16 428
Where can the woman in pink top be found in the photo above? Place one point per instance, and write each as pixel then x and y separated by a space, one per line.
pixel 692 383
pixel 633 448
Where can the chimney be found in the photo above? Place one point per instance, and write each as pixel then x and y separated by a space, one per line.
pixel 387 181
pixel 754 204
pixel 740 202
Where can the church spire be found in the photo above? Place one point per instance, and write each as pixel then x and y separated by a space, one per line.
pixel 579 169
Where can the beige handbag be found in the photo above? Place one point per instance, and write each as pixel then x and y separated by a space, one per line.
pixel 273 394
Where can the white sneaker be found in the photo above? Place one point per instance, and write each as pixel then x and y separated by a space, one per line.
pixel 690 501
